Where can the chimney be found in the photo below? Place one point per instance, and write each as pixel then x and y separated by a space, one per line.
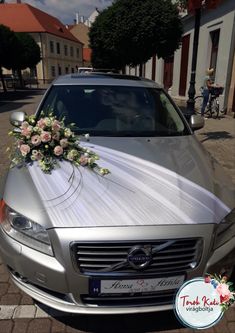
pixel 77 18
pixel 18 1
pixel 82 19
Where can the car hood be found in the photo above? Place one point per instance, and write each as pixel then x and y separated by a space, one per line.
pixel 153 181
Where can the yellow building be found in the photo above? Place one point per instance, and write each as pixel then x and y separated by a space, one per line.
pixel 61 52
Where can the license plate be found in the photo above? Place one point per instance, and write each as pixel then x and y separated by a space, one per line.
pixel 135 286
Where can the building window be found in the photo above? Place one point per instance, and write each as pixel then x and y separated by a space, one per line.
pixel 65 50
pixel 214 35
pixel 71 51
pixel 51 46
pixel 53 71
pixel 59 70
pixel 66 70
pixel 58 48
pixel 72 70
pixel 77 52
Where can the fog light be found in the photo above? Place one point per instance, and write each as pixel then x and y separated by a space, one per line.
pixel 20 223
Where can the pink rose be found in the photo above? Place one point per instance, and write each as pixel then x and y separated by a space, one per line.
pixel 64 143
pixel 56 125
pixel 41 123
pixel 26 131
pixel 24 149
pixel 56 136
pixel 25 124
pixel 36 140
pixel 58 150
pixel 83 160
pixel 45 136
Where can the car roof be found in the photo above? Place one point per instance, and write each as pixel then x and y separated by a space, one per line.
pixel 111 79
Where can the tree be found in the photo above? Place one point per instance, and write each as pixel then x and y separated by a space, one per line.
pixel 17 51
pixel 8 50
pixel 29 53
pixel 129 32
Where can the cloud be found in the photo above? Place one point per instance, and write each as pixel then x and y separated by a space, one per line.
pixel 66 10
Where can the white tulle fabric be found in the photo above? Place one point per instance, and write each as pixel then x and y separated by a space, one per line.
pixel 137 192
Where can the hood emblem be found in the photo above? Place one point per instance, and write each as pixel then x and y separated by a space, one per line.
pixel 139 257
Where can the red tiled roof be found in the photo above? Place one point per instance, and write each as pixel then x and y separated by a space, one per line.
pixel 86 54
pixel 21 17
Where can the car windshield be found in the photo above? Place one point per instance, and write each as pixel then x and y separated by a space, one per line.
pixel 115 110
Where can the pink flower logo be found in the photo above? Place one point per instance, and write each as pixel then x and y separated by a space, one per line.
pixel 224 292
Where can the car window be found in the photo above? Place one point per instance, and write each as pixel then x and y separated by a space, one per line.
pixel 115 110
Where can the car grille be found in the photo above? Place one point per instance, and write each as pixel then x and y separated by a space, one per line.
pixel 96 258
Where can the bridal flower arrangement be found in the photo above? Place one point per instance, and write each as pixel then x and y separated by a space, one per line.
pixel 224 288
pixel 48 141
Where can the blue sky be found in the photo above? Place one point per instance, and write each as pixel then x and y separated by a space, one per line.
pixel 65 10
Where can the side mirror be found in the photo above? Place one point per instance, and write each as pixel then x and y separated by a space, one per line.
pixel 196 122
pixel 17 118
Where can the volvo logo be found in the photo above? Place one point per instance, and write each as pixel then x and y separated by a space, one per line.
pixel 139 257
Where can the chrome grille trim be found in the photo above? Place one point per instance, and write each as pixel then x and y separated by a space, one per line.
pixel 161 298
pixel 91 258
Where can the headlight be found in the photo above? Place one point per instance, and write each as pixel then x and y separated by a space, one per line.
pixel 225 230
pixel 25 231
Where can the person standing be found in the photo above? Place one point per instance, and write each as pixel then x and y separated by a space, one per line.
pixel 207 85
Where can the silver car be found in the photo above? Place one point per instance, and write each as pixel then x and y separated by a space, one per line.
pixel 125 242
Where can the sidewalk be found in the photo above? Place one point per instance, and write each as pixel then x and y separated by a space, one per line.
pixel 218 137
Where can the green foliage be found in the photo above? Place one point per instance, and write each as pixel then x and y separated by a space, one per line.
pixel 8 47
pixel 131 31
pixel 17 50
pixel 29 52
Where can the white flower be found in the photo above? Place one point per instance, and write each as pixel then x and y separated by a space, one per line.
pixel 72 154
pixel 68 132
pixel 64 143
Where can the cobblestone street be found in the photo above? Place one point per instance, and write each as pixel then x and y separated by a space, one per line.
pixel 18 312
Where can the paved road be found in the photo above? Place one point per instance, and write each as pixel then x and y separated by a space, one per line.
pixel 19 314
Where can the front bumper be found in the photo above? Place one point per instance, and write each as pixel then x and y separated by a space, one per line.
pixel 55 282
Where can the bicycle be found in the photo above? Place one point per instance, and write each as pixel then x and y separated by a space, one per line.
pixel 212 109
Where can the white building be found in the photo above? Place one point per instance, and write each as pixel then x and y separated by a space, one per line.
pixel 216 48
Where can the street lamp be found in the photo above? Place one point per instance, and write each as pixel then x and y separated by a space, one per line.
pixel 194 6
pixel 192 91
